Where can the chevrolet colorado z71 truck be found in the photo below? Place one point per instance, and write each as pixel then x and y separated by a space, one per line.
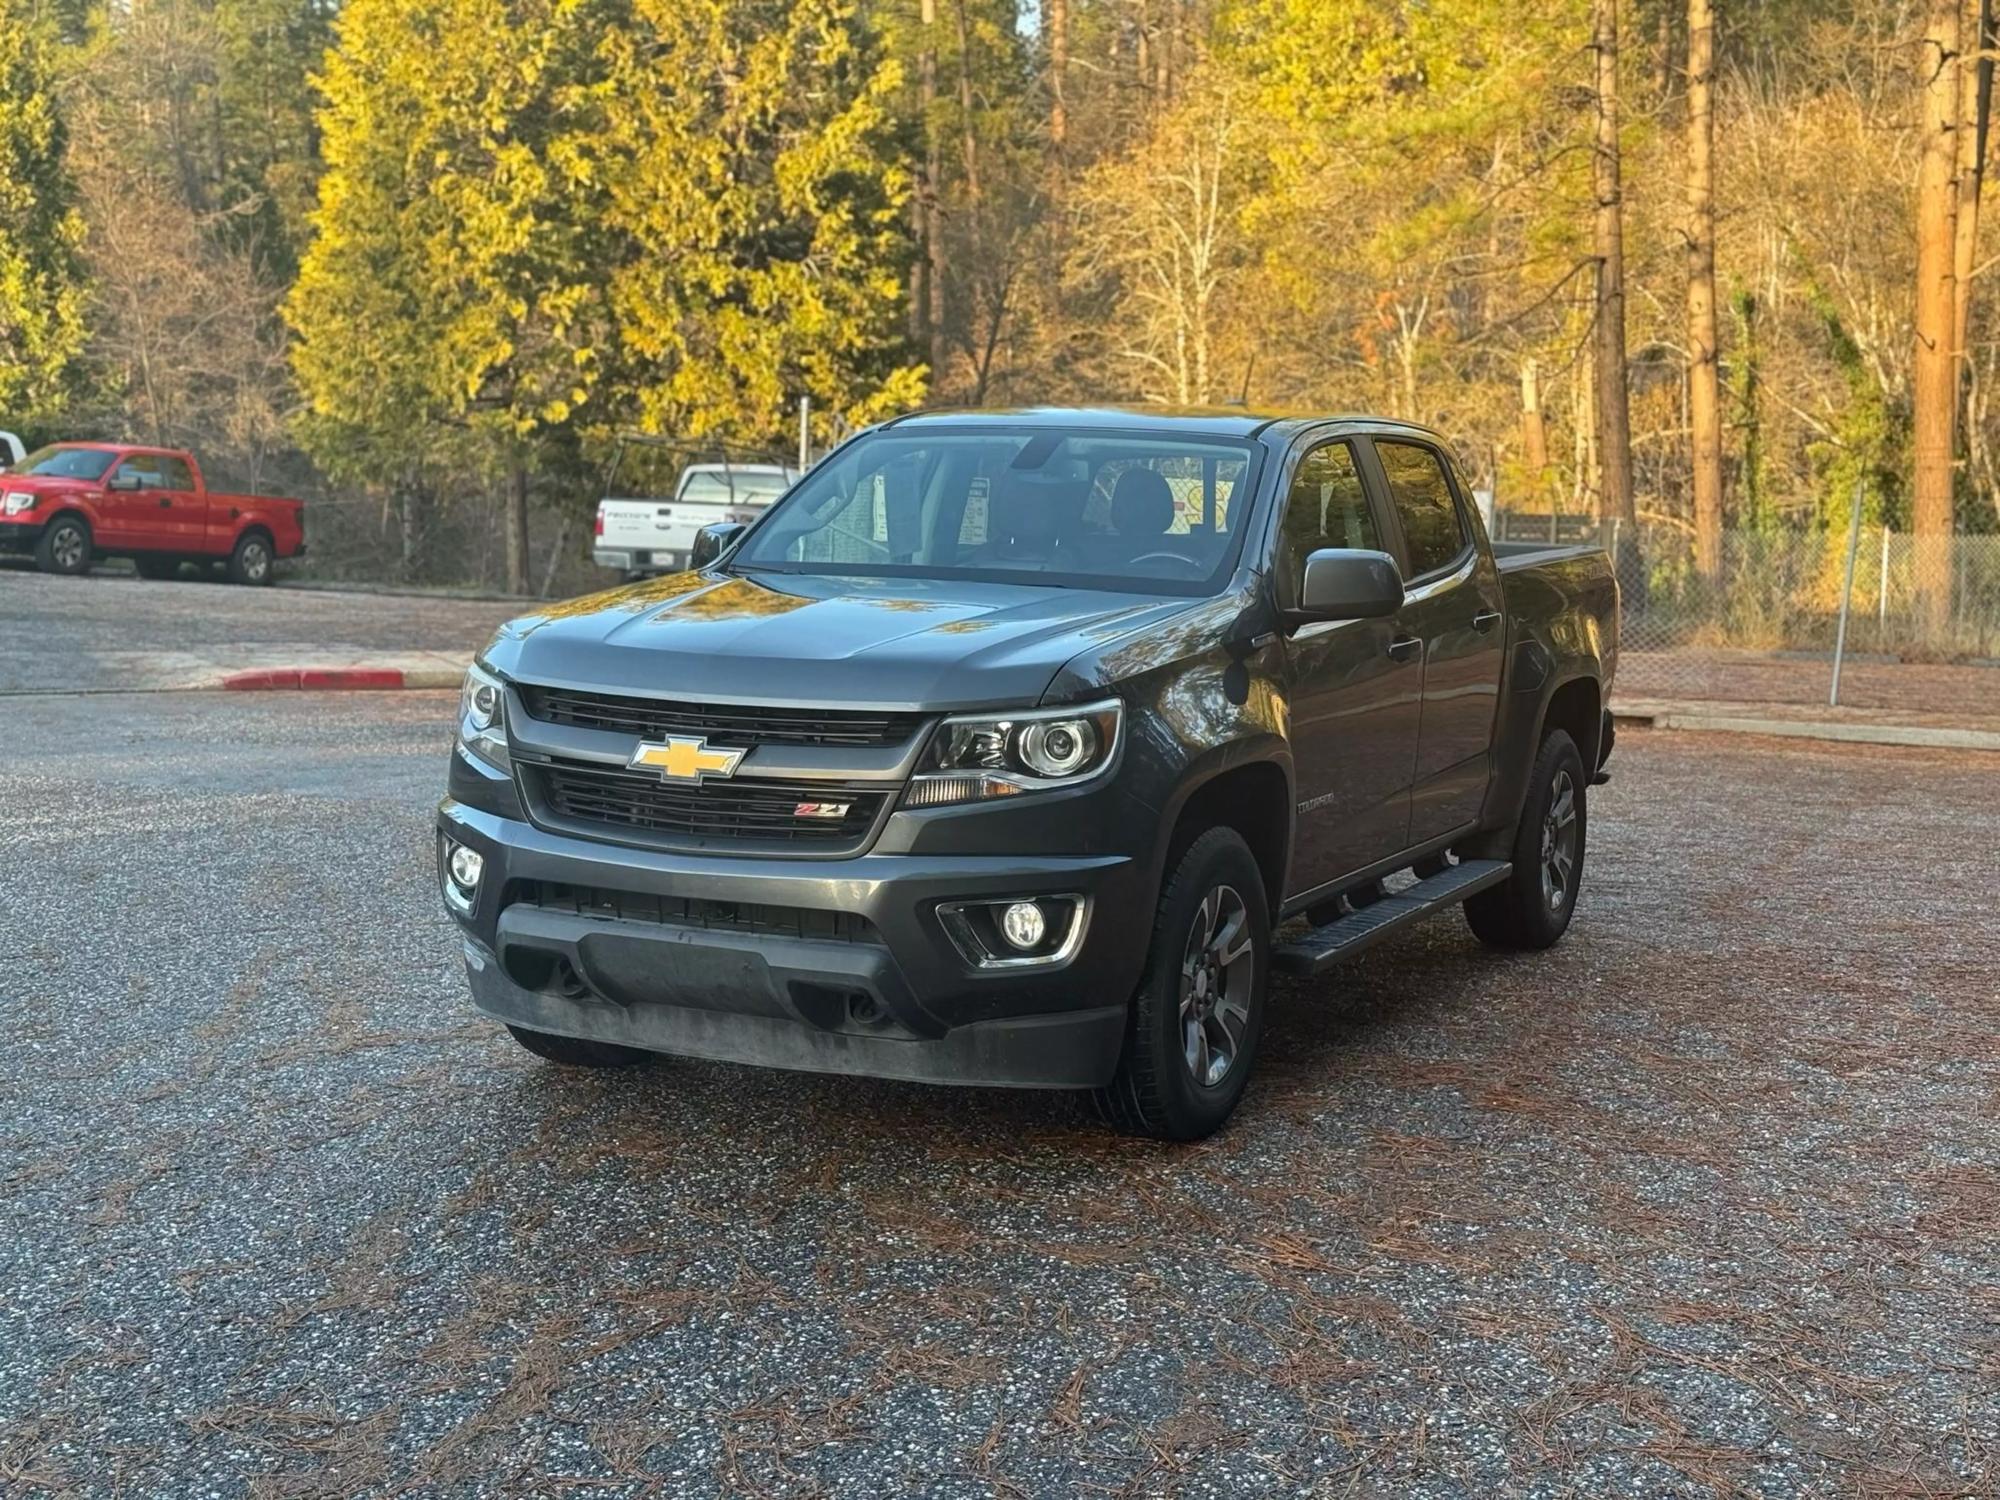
pixel 1000 750
pixel 72 503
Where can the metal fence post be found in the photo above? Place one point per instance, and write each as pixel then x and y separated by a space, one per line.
pixel 805 433
pixel 1846 597
pixel 1882 599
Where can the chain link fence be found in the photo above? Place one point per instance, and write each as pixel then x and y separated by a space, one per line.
pixel 1922 639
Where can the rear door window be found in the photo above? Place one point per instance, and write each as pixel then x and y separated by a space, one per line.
pixel 1433 529
pixel 175 475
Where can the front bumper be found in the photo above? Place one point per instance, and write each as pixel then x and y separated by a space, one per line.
pixel 830 965
pixel 18 537
pixel 639 559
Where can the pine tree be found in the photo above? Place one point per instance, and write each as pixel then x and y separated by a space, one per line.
pixel 42 290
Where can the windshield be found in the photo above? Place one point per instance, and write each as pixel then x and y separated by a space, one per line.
pixel 66 463
pixel 1152 513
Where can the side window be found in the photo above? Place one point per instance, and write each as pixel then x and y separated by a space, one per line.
pixel 174 474
pixel 144 468
pixel 1431 523
pixel 1325 507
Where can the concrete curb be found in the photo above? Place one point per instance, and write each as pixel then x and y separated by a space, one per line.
pixel 1914 735
pixel 337 679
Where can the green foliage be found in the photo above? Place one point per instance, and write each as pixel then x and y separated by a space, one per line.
pixel 567 216
pixel 1869 443
pixel 1744 374
pixel 42 291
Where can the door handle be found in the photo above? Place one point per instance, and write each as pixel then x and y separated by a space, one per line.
pixel 165 503
pixel 1485 620
pixel 1405 646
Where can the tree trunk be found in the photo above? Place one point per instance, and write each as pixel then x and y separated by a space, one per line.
pixel 1975 105
pixel 517 532
pixel 1534 429
pixel 1055 21
pixel 1935 377
pixel 1614 419
pixel 1704 386
pixel 934 250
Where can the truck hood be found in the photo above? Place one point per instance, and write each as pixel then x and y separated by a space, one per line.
pixel 43 484
pixel 807 640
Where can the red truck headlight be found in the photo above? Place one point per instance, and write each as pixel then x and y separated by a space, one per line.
pixel 19 501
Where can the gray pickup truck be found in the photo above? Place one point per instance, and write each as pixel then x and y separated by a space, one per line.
pixel 1021 749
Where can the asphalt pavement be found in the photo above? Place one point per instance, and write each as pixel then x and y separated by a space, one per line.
pixel 1704 1200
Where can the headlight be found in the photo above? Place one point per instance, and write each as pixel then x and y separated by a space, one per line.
pixel 983 756
pixel 482 717
pixel 17 502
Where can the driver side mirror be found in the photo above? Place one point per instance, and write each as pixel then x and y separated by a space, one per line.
pixel 126 482
pixel 713 541
pixel 1341 583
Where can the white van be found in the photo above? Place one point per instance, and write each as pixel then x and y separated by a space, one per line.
pixel 638 536
pixel 12 451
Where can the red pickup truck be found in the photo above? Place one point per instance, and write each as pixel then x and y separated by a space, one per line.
pixel 69 504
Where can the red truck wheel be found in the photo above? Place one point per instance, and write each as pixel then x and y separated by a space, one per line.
pixel 65 546
pixel 251 562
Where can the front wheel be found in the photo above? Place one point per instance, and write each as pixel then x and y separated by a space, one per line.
pixel 65 547
pixel 1532 907
pixel 1195 1022
pixel 575 1052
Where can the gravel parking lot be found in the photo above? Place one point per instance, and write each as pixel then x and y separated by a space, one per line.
pixel 1705 1200
pixel 115 631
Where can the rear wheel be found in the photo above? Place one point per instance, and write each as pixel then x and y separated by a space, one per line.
pixel 1532 907
pixel 251 561
pixel 157 568
pixel 65 546
pixel 575 1052
pixel 1196 1020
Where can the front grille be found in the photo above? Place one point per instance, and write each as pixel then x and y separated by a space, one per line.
pixel 682 911
pixel 719 812
pixel 735 726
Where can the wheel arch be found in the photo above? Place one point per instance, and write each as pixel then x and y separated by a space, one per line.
pixel 1251 794
pixel 1571 698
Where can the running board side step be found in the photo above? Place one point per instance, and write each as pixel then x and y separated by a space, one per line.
pixel 1348 935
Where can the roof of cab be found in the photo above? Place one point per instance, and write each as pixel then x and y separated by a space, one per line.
pixel 1214 421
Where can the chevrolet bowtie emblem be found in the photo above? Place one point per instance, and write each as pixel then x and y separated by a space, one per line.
pixel 679 759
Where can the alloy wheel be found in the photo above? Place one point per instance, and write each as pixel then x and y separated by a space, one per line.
pixel 1218 970
pixel 1559 841
pixel 67 547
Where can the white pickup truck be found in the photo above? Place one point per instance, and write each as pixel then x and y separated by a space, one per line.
pixel 639 536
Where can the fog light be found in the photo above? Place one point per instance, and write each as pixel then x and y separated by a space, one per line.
pixel 466 867
pixel 1023 925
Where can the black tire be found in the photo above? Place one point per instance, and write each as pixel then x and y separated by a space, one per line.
pixel 159 569
pixel 65 547
pixel 1155 1092
pixel 1532 907
pixel 253 560
pixel 575 1052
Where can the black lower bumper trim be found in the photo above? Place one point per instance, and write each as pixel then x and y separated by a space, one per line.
pixel 1074 1049
pixel 19 541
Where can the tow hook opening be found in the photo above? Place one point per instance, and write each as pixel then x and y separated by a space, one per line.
pixel 544 973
